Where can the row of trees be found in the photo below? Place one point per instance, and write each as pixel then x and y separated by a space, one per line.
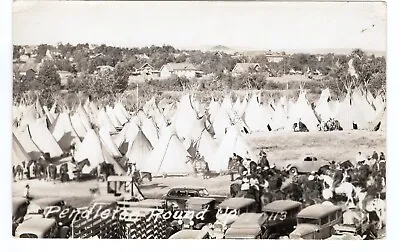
pixel 371 70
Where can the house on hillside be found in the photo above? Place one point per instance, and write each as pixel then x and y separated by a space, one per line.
pixel 241 68
pixel 64 75
pixel 29 70
pixel 147 69
pixel 142 56
pixel 274 57
pixel 103 69
pixel 144 73
pixel 179 69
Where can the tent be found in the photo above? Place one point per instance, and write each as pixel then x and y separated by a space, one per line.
pixel 94 150
pixel 347 113
pixel 148 127
pixel 106 139
pixel 77 124
pixel 25 139
pixel 168 157
pixel 103 120
pixel 120 113
pixel 64 132
pixel 139 150
pixel 184 117
pixel 325 107
pixel 380 121
pixel 213 109
pixel 257 116
pixel 85 119
pixel 49 116
pixel 232 142
pixel 19 155
pixel 200 140
pixel 120 107
pixel 113 118
pixel 43 139
pixel 303 112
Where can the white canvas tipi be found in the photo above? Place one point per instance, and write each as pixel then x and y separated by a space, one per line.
pixel 169 157
pixel 19 155
pixel 139 150
pixel 232 142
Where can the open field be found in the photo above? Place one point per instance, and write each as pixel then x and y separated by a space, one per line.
pixel 281 148
pixel 293 78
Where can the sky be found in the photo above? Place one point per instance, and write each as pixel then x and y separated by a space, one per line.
pixel 239 25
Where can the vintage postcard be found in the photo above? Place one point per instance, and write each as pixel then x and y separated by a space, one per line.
pixel 199 120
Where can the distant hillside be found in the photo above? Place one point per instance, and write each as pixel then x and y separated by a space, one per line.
pixel 252 51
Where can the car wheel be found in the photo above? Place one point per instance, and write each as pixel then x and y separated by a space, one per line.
pixel 293 170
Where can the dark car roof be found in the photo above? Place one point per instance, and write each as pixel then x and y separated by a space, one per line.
pixel 236 203
pixel 199 200
pixel 317 211
pixel 147 203
pixel 16 203
pixel 189 234
pixel 44 202
pixel 187 188
pixel 281 205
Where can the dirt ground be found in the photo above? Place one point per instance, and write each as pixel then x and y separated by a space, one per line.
pixel 281 148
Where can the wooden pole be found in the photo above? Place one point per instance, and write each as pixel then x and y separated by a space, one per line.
pixel 137 97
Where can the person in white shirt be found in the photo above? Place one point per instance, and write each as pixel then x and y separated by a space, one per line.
pixel 360 159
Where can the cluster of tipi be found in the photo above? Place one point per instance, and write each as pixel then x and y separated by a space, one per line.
pixel 161 138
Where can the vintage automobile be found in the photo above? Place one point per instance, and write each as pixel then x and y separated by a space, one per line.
pixel 203 212
pixel 190 234
pixel 316 222
pixel 19 210
pixel 346 232
pixel 228 211
pixel 306 164
pixel 146 203
pixel 281 218
pixel 176 197
pixel 247 226
pixel 47 207
pixel 37 228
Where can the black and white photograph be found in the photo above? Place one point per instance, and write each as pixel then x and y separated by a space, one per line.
pixel 199 120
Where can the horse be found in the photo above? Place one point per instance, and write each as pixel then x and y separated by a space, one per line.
pixel 236 167
pixel 348 190
pixel 199 166
pixel 79 167
pixel 105 170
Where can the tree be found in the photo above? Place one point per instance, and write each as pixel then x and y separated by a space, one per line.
pixel 49 79
pixel 121 76
pixel 16 51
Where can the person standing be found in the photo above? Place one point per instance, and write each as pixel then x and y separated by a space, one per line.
pixel 375 156
pixel 360 159
pixel 382 157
